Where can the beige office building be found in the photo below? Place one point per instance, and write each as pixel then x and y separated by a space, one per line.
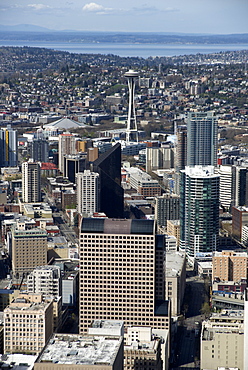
pixel 28 324
pixel 229 266
pixel 222 341
pixel 173 229
pixel 121 274
pixel 146 349
pixel 67 145
pixel 28 249
pixel 175 280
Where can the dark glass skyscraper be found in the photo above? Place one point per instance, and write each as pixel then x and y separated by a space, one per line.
pixel 108 165
pixel 39 150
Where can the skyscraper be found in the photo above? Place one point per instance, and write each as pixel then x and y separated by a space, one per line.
pixel 31 181
pixel 8 147
pixel 181 148
pixel 166 208
pixel 74 164
pixel 87 192
pixel 159 158
pixel 108 165
pixel 122 273
pixel 199 210
pixel 233 186
pixel 67 145
pixel 201 139
pixel 39 150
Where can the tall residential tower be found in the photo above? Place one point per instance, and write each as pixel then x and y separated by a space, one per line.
pixel 199 211
pixel 201 139
pixel 31 182
pixel 87 193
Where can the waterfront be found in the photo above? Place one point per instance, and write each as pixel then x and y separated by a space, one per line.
pixel 128 49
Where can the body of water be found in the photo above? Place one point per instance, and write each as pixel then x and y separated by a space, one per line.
pixel 129 50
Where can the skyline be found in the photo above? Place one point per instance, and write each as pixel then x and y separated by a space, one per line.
pixel 206 17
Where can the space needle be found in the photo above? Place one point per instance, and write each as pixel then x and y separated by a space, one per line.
pixel 131 132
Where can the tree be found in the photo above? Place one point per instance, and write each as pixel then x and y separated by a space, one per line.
pixel 205 310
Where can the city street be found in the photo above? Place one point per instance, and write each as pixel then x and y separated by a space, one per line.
pixel 187 341
pixel 65 229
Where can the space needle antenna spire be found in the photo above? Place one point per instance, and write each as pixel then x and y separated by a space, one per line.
pixel 132 131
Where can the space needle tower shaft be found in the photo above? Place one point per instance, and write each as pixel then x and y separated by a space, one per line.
pixel 132 131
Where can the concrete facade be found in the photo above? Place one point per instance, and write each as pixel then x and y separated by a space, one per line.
pixel 28 324
pixel 222 341
pixel 28 248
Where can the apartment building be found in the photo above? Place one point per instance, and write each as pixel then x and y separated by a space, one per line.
pixel 229 266
pixel 31 182
pixel 143 182
pixel 222 340
pixel 28 324
pixel 45 280
pixel 239 220
pixel 166 208
pixel 173 229
pixel 87 192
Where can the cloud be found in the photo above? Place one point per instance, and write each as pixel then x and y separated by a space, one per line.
pixel 99 9
pixel 152 9
pixel 93 8
pixel 39 6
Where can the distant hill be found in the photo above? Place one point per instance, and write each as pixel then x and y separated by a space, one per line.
pixel 24 28
pixel 28 32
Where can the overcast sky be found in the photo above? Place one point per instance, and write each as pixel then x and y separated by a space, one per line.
pixel 188 16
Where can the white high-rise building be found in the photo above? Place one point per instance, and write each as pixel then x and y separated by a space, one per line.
pixel 87 192
pixel 45 280
pixel 157 158
pixel 31 191
pixel 67 145
pixel 233 185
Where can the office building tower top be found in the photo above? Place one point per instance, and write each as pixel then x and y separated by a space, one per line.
pixel 201 139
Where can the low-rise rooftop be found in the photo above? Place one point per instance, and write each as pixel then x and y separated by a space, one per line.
pixel 174 263
pixel 77 349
